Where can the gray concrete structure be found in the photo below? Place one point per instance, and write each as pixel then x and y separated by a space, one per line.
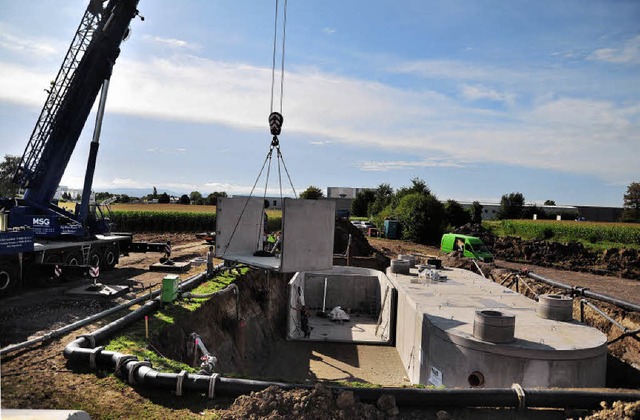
pixel 435 340
pixel 367 295
pixel 307 234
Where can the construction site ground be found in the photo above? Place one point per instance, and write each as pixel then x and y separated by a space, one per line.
pixel 38 378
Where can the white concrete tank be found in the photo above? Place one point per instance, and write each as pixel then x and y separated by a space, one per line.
pixel 435 337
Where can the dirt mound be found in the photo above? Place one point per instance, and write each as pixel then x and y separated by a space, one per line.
pixel 570 256
pixel 618 410
pixel 316 403
pixel 360 247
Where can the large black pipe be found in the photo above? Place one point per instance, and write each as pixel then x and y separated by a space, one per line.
pixel 474 397
pixel 581 291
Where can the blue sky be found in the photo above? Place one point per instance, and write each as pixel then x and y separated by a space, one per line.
pixel 477 98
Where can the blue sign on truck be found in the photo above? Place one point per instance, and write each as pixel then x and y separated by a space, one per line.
pixel 12 242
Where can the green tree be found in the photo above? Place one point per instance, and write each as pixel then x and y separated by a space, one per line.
pixel 455 215
pixel 361 203
pixel 124 198
pixel 476 213
pixel 184 199
pixel 421 216
pixel 511 206
pixel 196 197
pixel 631 211
pixel 7 170
pixel 549 203
pixel 155 193
pixel 212 199
pixel 164 198
pixel 383 197
pixel 312 193
pixel 417 186
pixel 102 196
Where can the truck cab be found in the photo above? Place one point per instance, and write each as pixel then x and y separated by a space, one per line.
pixel 468 246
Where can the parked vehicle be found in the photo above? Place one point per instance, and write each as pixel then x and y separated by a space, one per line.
pixel 468 246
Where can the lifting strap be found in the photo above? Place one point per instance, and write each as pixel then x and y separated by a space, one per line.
pixel 276 121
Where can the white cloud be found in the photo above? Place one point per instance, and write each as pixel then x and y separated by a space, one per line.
pixel 159 150
pixel 171 42
pixel 382 166
pixel 477 92
pixel 579 135
pixel 453 70
pixel 27 46
pixel 629 53
pixel 320 142
pixel 329 31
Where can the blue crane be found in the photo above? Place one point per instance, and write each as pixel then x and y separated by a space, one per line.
pixel 85 71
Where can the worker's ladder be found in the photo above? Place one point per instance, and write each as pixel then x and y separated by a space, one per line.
pixel 86 251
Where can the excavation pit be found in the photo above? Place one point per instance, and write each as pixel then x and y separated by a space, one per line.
pixel 249 332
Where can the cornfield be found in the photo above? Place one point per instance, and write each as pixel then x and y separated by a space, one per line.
pixel 173 218
pixel 594 232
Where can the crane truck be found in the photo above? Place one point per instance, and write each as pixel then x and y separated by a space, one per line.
pixel 37 236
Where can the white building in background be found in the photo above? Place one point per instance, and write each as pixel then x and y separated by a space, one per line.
pixel 344 192
pixel 490 210
pixel 63 189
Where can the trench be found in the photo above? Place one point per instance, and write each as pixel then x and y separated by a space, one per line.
pixel 241 331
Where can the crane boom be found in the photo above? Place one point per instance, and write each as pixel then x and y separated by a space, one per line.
pixel 88 62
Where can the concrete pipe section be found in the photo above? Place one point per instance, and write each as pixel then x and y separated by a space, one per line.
pixel 555 307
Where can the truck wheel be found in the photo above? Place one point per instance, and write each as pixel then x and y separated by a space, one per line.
pixel 8 278
pixel 73 258
pixel 111 256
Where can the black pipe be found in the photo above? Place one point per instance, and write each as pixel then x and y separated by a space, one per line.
pixel 581 291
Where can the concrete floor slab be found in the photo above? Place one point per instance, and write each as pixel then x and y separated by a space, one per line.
pixel 360 329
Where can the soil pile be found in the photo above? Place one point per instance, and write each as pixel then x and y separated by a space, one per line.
pixel 360 247
pixel 316 403
pixel 618 410
pixel 571 256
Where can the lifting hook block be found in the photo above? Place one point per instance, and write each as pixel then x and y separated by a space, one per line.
pixel 275 123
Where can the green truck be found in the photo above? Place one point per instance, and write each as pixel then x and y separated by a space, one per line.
pixel 468 246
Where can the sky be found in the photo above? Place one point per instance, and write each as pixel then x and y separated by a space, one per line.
pixel 477 98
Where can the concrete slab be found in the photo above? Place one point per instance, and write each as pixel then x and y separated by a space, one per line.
pixel 359 330
pixel 307 234
pixel 176 267
pixel 100 291
pixel 435 337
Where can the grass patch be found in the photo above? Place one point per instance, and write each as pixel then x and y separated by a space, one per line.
pixel 133 340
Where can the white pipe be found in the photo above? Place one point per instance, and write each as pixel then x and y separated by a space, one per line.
pixel 324 298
